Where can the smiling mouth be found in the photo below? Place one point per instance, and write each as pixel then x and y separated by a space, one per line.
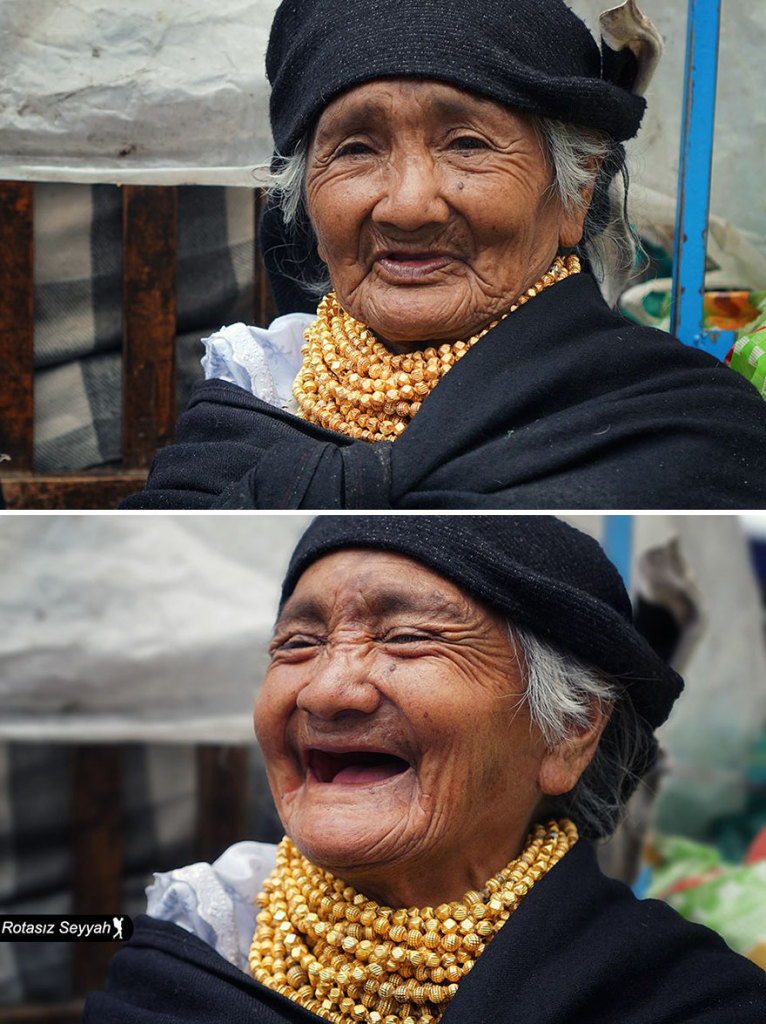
pixel 413 266
pixel 354 767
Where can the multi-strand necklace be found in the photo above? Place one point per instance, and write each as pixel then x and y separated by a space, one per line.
pixel 351 383
pixel 350 960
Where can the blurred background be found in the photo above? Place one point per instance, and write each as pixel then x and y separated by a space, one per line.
pixel 131 652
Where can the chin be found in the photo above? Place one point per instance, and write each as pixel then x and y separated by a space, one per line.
pixel 344 841
pixel 405 318
pixel 412 331
pixel 342 850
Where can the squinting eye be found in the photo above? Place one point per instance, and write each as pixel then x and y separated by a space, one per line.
pixel 406 638
pixel 468 142
pixel 294 643
pixel 353 149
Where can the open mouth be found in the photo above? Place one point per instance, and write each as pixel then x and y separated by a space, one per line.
pixel 354 767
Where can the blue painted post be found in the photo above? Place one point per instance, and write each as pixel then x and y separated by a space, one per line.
pixel 694 167
pixel 617 542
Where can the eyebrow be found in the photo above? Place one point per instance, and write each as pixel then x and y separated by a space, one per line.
pixel 311 610
pixel 368 111
pixel 350 118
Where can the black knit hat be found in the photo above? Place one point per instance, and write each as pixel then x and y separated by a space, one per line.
pixel 534 55
pixel 538 571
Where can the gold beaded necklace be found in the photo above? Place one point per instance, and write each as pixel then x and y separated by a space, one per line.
pixel 350 960
pixel 351 383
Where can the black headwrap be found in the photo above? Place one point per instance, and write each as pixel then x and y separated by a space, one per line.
pixel 542 575
pixel 531 55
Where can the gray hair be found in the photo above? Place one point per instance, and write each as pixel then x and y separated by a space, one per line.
pixel 582 158
pixel 561 693
pixel 585 159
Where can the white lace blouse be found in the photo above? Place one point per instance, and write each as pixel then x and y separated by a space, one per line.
pixel 216 901
pixel 263 361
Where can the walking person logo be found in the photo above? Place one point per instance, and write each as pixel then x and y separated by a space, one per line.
pixel 117 923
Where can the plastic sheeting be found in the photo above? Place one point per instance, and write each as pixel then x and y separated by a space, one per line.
pixel 737 193
pixel 137 628
pixel 157 91
pixel 722 712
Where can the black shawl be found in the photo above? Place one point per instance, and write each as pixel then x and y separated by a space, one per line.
pixel 565 404
pixel 579 950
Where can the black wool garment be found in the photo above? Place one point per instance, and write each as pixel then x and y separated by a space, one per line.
pixel 580 949
pixel 563 405
pixel 531 56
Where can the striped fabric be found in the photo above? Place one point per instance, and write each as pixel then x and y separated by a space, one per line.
pixel 35 865
pixel 78 307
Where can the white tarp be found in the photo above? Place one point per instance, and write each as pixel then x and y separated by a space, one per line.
pixel 175 91
pixel 151 90
pixel 137 628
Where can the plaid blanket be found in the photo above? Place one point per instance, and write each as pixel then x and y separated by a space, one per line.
pixel 35 865
pixel 78 303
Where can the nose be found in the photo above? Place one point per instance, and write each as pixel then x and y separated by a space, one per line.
pixel 413 196
pixel 339 685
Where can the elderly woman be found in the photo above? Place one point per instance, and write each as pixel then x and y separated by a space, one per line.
pixel 447 172
pixel 454 707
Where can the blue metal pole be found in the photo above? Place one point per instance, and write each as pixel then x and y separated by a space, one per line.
pixel 617 542
pixel 694 170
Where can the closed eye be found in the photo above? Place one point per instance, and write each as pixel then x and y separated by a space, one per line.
pixel 298 642
pixel 407 638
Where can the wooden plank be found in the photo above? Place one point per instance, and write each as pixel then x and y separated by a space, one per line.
pixel 46 1013
pixel 264 309
pixel 222 775
pixel 69 491
pixel 150 227
pixel 97 854
pixel 16 325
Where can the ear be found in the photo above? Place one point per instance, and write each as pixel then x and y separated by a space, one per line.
pixel 563 764
pixel 572 224
pixel 572 221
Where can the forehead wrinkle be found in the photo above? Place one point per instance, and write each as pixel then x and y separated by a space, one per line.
pixel 351 115
pixel 447 103
pixel 383 601
pixel 429 602
pixel 449 107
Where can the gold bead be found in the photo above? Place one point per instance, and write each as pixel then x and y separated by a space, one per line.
pixel 301 946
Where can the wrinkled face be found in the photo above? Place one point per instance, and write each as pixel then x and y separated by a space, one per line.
pixel 397 748
pixel 432 208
